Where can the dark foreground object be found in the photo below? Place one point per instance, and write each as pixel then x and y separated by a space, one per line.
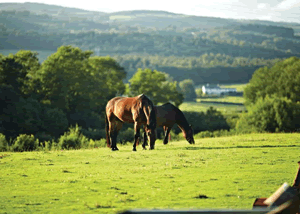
pixel 196 211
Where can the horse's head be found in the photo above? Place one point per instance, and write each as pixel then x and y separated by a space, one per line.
pixel 189 135
pixel 151 135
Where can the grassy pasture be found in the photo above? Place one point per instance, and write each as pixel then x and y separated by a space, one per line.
pixel 228 172
pixel 239 87
pixel 224 99
pixel 225 109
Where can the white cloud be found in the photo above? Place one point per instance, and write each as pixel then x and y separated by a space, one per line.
pixel 287 4
pixel 262 6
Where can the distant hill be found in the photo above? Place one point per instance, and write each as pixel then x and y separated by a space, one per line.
pixel 210 49
pixel 42 8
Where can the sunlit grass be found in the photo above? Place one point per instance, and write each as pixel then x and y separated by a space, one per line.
pixel 230 172
pixel 225 109
pixel 239 87
pixel 223 99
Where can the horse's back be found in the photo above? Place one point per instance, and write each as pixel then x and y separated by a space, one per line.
pixel 124 108
pixel 166 115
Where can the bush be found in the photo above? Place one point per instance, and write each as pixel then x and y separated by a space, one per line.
pixel 205 134
pixel 97 143
pixel 126 136
pixel 25 142
pixel 55 121
pixel 95 134
pixel 43 137
pixel 3 143
pixel 73 139
pixel 211 120
pixel 218 133
pixel 271 115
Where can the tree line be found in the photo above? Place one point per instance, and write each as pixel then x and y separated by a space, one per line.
pixel 71 87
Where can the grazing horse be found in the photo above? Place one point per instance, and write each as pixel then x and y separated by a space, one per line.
pixel 166 116
pixel 138 110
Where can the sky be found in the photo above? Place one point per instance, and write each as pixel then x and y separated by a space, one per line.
pixel 271 10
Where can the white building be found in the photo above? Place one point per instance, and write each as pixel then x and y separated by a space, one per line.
pixel 207 89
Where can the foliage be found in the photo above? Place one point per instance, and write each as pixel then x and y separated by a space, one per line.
pixel 284 73
pixel 12 74
pixel 126 136
pixel 210 120
pixel 73 81
pixel 43 137
pixel 55 121
pixel 3 143
pixel 187 88
pixel 155 85
pixel 25 142
pixel 272 114
pixel 97 143
pixel 73 139
pixel 199 92
pixel 94 134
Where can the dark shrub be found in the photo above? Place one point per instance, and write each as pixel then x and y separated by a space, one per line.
pixel 25 142
pixel 3 143
pixel 73 139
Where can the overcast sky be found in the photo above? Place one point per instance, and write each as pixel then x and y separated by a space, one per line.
pixel 272 10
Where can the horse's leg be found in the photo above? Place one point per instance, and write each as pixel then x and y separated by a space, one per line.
pixel 136 136
pixel 145 139
pixel 167 132
pixel 114 141
pixel 116 127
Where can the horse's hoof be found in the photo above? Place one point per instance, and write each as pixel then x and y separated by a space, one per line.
pixel 144 148
pixel 114 149
pixel 134 149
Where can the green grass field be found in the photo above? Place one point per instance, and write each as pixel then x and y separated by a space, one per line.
pixel 239 87
pixel 228 172
pixel 224 99
pixel 225 109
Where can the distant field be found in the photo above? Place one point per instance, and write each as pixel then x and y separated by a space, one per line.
pixel 224 99
pixel 227 104
pixel 239 87
pixel 225 109
pixel 215 173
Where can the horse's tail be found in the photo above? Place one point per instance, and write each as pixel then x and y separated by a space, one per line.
pixel 152 118
pixel 150 114
pixel 106 130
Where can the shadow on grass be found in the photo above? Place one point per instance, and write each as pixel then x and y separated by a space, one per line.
pixel 240 147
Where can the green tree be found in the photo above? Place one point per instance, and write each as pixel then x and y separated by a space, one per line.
pixel 155 85
pixel 73 81
pixel 199 92
pixel 281 80
pixel 271 114
pixel 188 90
pixel 106 80
pixel 12 74
pixel 65 78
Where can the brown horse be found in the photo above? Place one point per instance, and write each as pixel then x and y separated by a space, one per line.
pixel 166 116
pixel 138 110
